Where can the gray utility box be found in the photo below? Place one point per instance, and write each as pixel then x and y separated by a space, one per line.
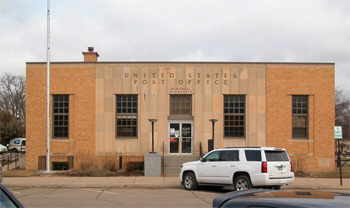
pixel 153 164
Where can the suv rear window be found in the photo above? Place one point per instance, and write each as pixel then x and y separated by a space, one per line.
pixel 276 156
pixel 253 155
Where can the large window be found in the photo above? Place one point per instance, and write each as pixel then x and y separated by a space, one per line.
pixel 300 116
pixel 60 116
pixel 181 105
pixel 234 115
pixel 126 116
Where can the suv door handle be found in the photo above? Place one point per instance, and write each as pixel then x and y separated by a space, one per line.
pixel 213 166
pixel 233 165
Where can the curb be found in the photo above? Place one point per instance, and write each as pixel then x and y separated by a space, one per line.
pixel 94 186
pixel 157 186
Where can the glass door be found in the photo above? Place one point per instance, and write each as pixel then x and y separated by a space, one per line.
pixel 180 137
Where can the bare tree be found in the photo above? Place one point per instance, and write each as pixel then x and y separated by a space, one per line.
pixel 342 112
pixel 9 127
pixel 13 96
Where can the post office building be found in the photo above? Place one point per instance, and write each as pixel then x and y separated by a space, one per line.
pixel 102 108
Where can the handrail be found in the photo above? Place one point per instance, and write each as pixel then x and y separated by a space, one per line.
pixel 163 159
pixel 200 149
pixel 7 159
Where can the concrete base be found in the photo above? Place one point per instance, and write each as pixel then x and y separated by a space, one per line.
pixel 153 165
pixel 22 161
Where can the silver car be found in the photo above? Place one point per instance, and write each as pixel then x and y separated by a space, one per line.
pixel 0 172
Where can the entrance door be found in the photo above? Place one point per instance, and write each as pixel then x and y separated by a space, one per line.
pixel 180 137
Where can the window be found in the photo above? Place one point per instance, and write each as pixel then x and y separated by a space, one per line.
pixel 212 157
pixel 276 156
pixel 234 115
pixel 60 166
pixel 60 116
pixel 253 155
pixel 300 116
pixel 126 116
pixel 229 155
pixel 181 105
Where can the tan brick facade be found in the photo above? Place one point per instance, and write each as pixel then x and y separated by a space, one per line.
pixel 79 83
pixel 268 87
pixel 316 81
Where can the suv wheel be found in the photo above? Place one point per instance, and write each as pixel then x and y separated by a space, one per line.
pixel 190 182
pixel 242 182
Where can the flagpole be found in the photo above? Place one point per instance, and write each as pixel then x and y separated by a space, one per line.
pixel 48 91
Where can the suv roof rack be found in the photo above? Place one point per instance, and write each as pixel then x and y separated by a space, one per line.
pixel 241 147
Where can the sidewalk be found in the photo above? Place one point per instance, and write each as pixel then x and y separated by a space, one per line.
pixel 148 182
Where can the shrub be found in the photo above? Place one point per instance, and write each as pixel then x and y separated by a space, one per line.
pixel 299 166
pixel 85 161
pixel 130 167
pixel 109 162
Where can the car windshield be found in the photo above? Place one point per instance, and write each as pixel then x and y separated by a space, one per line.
pixel 276 156
pixel 5 201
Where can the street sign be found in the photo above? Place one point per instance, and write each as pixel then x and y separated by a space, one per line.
pixel 338 132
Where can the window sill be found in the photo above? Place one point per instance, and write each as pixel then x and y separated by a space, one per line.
pixel 299 139
pixel 60 138
pixel 234 138
pixel 126 138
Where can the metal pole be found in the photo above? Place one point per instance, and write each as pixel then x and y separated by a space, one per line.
pixel 339 164
pixel 48 90
pixel 152 121
pixel 213 135
pixel 213 121
pixel 152 136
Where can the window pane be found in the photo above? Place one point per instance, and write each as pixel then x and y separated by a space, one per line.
pixel 276 156
pixel 234 115
pixel 230 155
pixel 60 115
pixel 212 157
pixel 300 116
pixel 253 155
pixel 181 105
pixel 126 116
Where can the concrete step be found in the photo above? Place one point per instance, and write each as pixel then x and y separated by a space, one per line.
pixel 180 159
pixel 172 164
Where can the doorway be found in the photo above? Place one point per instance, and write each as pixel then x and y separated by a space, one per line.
pixel 180 137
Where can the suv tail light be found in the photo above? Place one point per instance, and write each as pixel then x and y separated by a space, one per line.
pixel 291 166
pixel 264 167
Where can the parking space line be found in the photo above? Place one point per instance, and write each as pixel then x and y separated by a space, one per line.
pixel 99 191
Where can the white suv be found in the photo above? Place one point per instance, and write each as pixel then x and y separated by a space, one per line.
pixel 242 167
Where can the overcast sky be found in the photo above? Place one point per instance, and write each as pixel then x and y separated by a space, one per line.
pixel 181 30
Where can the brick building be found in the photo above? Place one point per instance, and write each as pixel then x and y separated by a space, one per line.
pixel 105 107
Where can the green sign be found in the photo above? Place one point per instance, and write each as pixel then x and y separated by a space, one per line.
pixel 338 132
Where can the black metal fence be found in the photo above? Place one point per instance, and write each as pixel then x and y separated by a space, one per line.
pixel 58 162
pixel 67 162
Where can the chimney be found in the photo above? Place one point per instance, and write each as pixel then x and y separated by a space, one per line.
pixel 90 56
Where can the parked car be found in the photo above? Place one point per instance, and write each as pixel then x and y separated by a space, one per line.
pixel 3 148
pixel 17 144
pixel 7 199
pixel 280 198
pixel 244 168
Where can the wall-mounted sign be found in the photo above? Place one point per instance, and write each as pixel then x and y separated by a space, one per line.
pixel 338 132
